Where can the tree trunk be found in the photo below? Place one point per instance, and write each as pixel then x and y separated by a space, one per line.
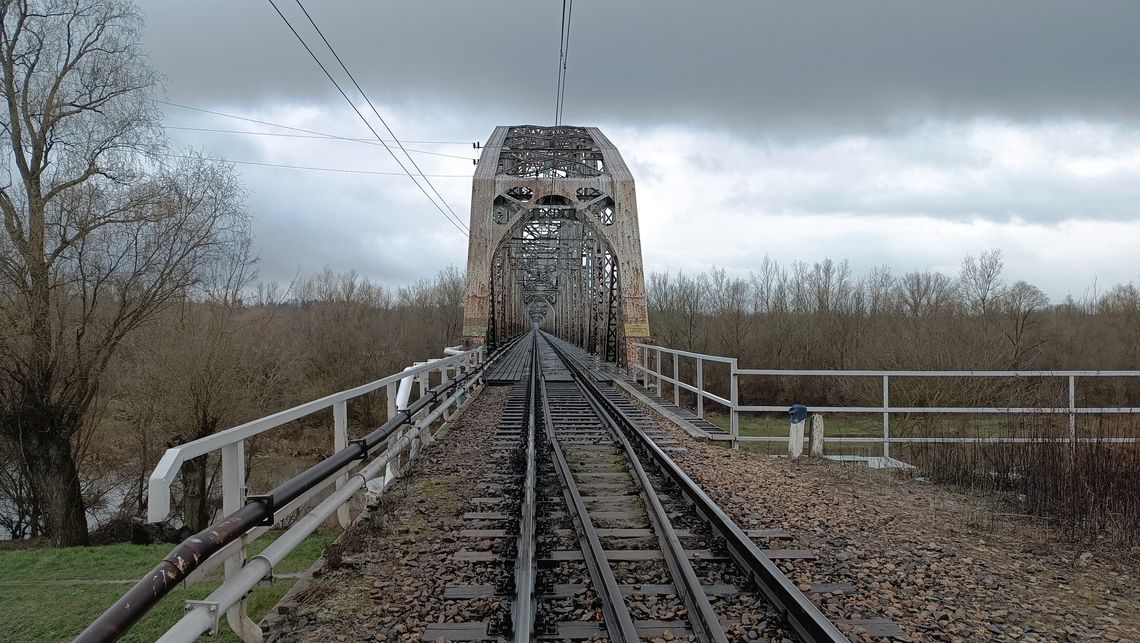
pixel 195 513
pixel 55 481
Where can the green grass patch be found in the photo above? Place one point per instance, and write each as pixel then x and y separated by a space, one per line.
pixel 44 607
pixel 112 562
pixel 60 612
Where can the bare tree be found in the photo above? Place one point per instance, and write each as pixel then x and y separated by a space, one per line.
pixel 731 309
pixel 98 236
pixel 879 285
pixel 1021 304
pixel 924 293
pixel 192 377
pixel 980 281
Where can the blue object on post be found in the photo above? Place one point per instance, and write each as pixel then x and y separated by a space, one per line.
pixel 798 413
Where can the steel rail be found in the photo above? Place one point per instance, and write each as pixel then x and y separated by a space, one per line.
pixel 702 616
pixel 619 623
pixel 803 616
pixel 526 562
pixel 259 510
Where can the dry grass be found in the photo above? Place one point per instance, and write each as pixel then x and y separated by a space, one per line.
pixel 1089 492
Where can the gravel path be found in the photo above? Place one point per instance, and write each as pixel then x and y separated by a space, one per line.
pixel 390 582
pixel 936 562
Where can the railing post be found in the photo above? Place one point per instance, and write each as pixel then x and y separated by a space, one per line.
pixel 233 496
pixel 233 476
pixel 734 392
pixel 645 361
pixel 657 370
pixel 1073 413
pixel 886 416
pixel 700 387
pixel 391 395
pixel 676 383
pixel 340 441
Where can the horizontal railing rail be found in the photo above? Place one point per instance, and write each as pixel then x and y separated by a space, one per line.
pixel 697 387
pixel 164 474
pixel 376 455
pixel 650 364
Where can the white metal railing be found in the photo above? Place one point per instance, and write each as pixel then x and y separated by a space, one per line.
pixel 697 387
pixel 399 449
pixel 649 363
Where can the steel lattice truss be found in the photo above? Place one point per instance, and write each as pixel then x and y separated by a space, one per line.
pixel 547 233
pixel 550 152
pixel 557 273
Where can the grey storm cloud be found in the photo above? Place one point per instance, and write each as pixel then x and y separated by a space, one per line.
pixel 734 63
pixel 883 131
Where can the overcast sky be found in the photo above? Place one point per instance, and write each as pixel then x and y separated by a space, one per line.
pixel 882 131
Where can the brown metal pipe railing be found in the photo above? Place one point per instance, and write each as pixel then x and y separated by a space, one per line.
pixel 259 510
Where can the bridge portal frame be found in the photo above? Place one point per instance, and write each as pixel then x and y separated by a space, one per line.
pixel 588 165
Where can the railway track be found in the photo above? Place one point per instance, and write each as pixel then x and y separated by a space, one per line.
pixel 606 537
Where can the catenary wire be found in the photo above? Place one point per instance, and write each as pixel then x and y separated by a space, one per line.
pixel 458 224
pixel 373 107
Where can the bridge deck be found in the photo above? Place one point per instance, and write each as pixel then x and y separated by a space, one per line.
pixel 511 367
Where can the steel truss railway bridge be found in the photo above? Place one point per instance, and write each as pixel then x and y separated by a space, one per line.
pixel 555 293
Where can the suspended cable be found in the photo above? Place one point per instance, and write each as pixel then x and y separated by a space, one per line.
pixel 563 58
pixel 558 67
pixel 296 129
pixel 565 61
pixel 373 107
pixel 319 169
pixel 319 137
pixel 458 224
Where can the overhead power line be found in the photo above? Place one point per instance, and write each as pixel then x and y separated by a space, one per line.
pixel 318 137
pixel 320 169
pixel 373 107
pixel 297 129
pixel 563 57
pixel 451 218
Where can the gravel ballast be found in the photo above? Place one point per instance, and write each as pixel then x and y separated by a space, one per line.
pixel 395 565
pixel 939 563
